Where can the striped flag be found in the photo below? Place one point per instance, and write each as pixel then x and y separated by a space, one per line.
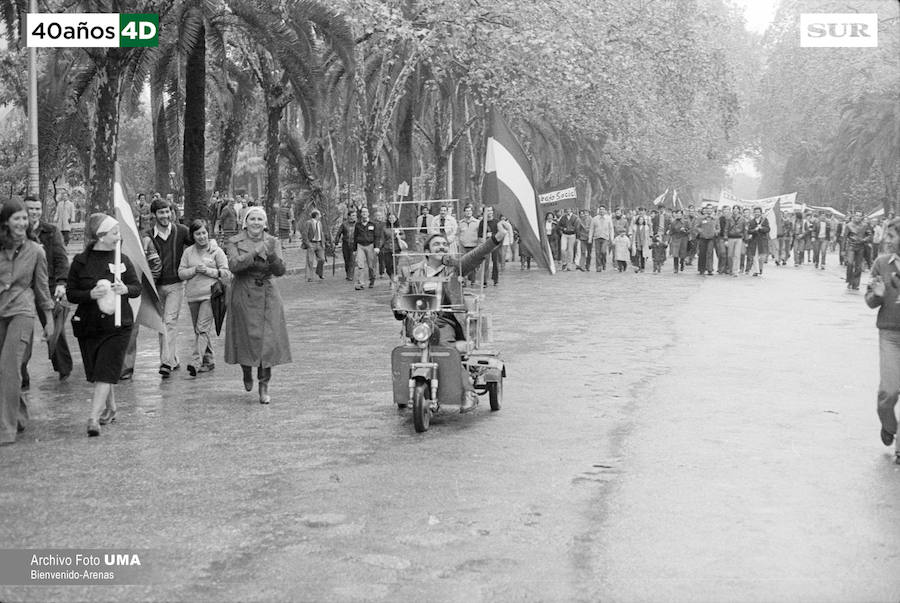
pixel 508 187
pixel 661 199
pixel 145 308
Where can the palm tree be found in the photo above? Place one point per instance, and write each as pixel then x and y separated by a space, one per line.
pixel 192 28
pixel 285 53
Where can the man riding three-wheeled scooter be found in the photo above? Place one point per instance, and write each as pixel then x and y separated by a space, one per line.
pixel 443 359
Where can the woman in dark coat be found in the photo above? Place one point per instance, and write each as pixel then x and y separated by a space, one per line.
pixel 255 329
pixel 93 286
pixel 392 243
pixel 678 239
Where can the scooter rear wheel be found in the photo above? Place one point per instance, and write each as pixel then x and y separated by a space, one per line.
pixel 421 409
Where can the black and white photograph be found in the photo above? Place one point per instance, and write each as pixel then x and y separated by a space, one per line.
pixel 449 301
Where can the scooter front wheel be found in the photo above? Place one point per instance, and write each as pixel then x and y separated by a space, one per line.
pixel 421 409
pixel 495 394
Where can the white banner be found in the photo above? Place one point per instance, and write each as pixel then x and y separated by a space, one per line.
pixel 788 202
pixel 560 195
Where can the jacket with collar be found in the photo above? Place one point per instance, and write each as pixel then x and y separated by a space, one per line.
pixel 887 266
pixel 55 250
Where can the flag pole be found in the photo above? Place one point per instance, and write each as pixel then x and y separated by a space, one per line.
pixel 117 272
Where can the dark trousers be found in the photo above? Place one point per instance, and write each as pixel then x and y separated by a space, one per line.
pixel 586 248
pixel 601 249
pixel 854 266
pixel 387 260
pixel 61 359
pixel 349 260
pixel 705 254
pixel 722 255
pixel 494 261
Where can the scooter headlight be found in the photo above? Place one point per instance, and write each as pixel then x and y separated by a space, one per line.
pixel 421 332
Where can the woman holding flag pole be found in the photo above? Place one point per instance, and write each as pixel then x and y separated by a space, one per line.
pixel 98 278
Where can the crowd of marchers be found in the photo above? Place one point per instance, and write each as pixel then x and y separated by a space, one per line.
pixel 720 239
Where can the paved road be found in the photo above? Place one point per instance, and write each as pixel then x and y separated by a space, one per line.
pixel 663 438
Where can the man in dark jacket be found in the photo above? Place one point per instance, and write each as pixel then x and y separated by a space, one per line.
pixel 884 293
pixel 364 236
pixel 344 236
pixel 858 235
pixel 706 227
pixel 57 273
pixel 487 226
pixel 758 229
pixel 169 239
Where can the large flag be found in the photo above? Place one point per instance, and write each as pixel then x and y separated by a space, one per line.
pixel 145 308
pixel 508 187
pixel 776 219
pixel 659 200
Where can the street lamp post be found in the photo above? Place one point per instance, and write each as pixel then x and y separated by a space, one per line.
pixel 34 180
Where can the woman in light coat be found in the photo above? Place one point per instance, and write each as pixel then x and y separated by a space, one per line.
pixel 202 264
pixel 255 328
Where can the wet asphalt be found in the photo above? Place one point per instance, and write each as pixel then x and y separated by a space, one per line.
pixel 662 438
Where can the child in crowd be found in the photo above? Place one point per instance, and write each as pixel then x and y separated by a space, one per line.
pixel 658 249
pixel 622 251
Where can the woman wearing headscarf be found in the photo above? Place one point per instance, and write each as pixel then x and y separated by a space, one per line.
pixel 23 287
pixel 93 285
pixel 255 329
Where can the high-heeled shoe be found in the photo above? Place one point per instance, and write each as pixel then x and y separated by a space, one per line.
pixel 264 393
pixel 248 378
pixel 93 428
pixel 107 416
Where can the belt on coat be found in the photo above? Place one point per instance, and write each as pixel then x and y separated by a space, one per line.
pixel 259 282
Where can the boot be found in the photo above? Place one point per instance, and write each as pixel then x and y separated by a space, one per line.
pixel 264 374
pixel 248 378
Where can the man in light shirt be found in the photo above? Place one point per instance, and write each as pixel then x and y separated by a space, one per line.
pixel 65 215
pixel 601 233
pixel 468 235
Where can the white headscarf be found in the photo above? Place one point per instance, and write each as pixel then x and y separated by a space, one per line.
pixel 107 224
pixel 258 210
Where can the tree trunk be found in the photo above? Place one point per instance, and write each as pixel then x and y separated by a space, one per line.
pixel 231 135
pixel 106 135
pixel 195 131
pixel 461 174
pixel 273 142
pixel 405 165
pixel 162 165
pixel 440 157
pixel 370 174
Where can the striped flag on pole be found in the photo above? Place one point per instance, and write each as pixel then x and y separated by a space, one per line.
pixel 776 220
pixel 508 187
pixel 145 308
